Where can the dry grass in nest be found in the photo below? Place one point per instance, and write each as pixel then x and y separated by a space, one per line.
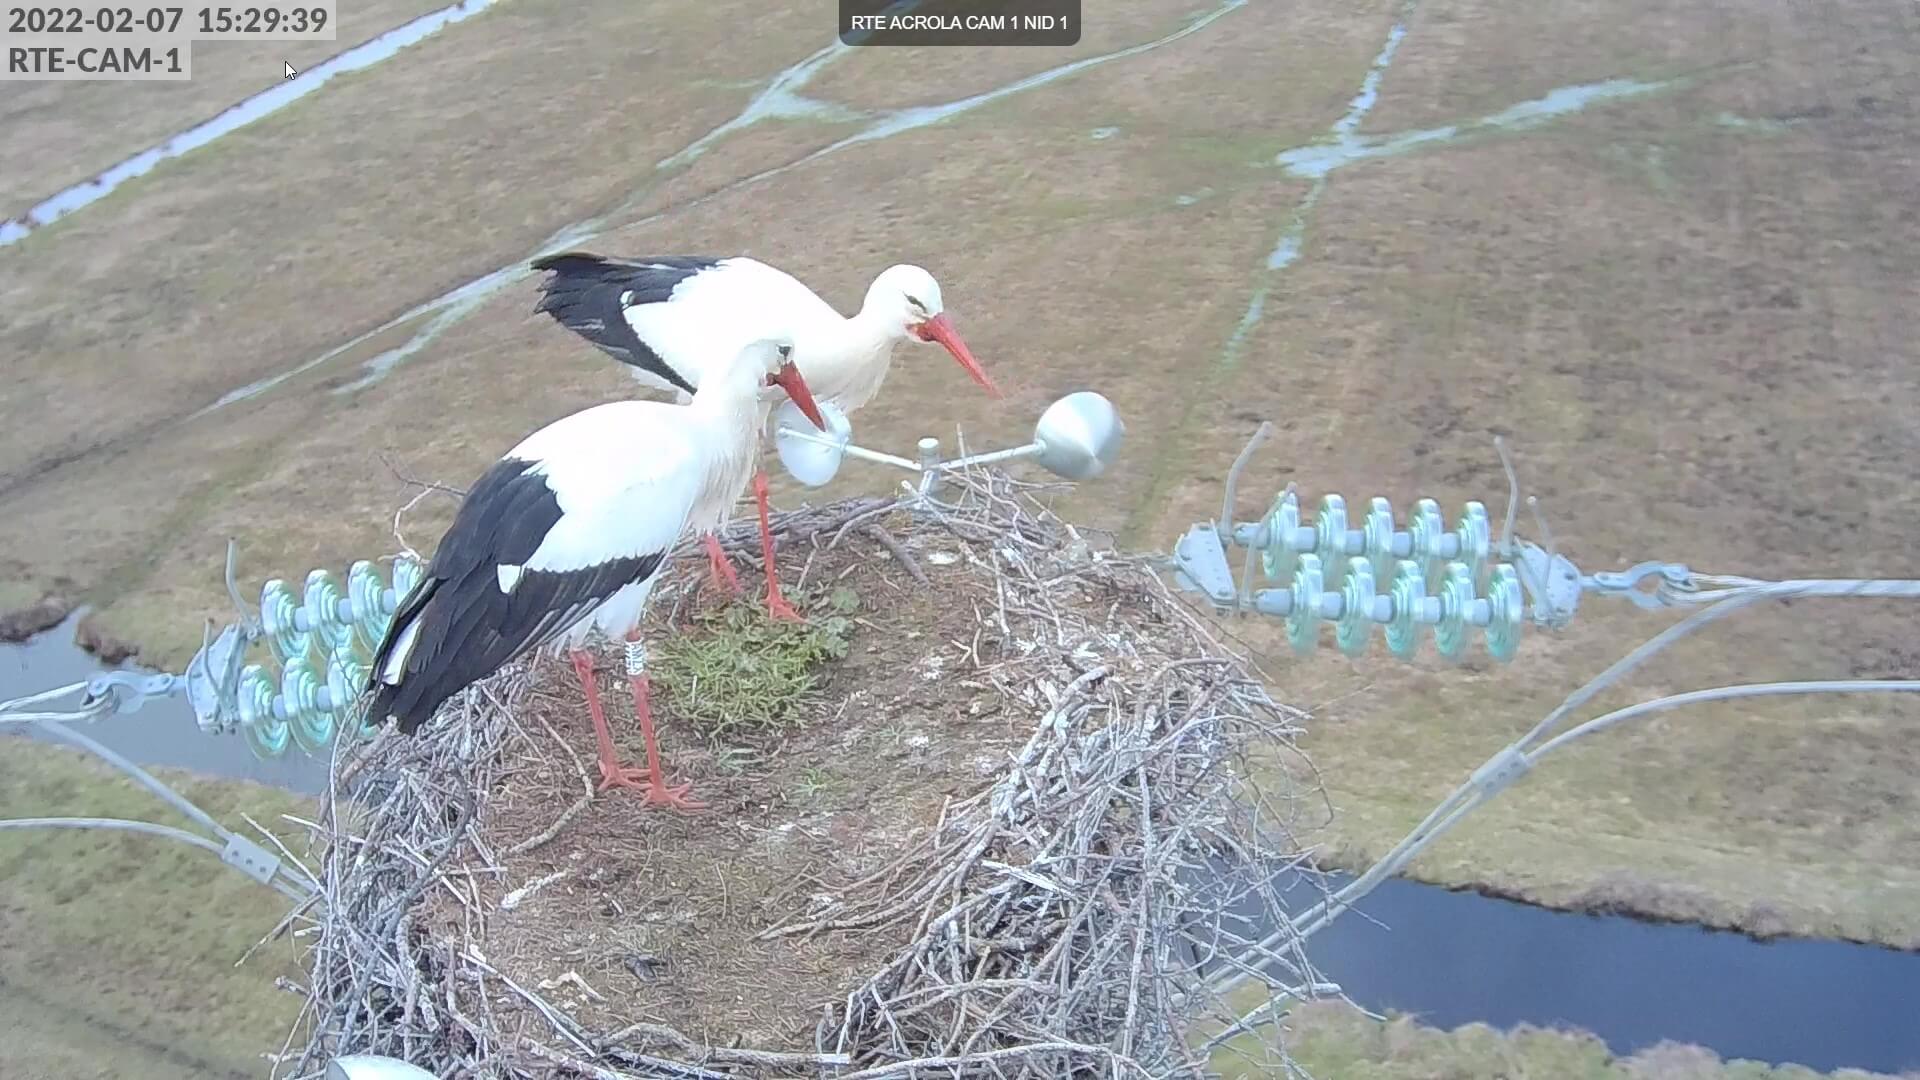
pixel 999 834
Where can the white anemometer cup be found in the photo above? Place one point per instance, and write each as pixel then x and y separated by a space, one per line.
pixel 374 1067
pixel 1078 436
pixel 811 456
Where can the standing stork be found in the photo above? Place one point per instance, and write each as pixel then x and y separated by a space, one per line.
pixel 566 534
pixel 669 316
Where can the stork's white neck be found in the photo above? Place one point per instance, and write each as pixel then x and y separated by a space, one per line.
pixel 730 413
pixel 846 362
pixel 730 395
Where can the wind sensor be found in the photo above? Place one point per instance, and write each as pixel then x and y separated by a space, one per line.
pixel 1075 439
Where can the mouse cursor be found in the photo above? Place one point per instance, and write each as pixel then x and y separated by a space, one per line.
pixel 289 71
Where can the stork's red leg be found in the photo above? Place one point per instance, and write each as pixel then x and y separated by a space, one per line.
pixel 777 605
pixel 657 790
pixel 648 781
pixel 611 772
pixel 724 576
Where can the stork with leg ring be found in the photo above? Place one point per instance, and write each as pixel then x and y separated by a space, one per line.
pixel 667 317
pixel 567 533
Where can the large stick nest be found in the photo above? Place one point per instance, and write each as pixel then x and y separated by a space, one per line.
pixel 1055 921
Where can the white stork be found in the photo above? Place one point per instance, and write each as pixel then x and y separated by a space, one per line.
pixel 566 534
pixel 668 316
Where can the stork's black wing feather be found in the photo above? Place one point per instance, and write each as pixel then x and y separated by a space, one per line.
pixel 589 294
pixel 465 626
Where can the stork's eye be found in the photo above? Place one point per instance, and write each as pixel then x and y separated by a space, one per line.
pixel 915 301
pixel 786 351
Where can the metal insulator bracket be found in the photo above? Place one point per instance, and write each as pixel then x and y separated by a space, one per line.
pixel 1552 580
pixel 212 679
pixel 126 691
pixel 250 859
pixel 1200 564
pixel 1627 583
pixel 1501 771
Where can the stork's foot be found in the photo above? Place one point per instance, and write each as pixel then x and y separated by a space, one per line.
pixel 725 578
pixel 675 797
pixel 652 792
pixel 620 776
pixel 780 611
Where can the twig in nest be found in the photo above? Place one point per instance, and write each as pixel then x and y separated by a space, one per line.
pixel 412 481
pixel 880 533
pixel 573 809
pixel 427 488
pixel 520 895
pixel 661 1033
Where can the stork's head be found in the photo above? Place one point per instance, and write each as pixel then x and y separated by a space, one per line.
pixel 908 297
pixel 770 361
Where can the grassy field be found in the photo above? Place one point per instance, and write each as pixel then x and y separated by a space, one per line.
pixel 121 948
pixel 1334 1041
pixel 112 963
pixel 1685 325
pixel 1684 308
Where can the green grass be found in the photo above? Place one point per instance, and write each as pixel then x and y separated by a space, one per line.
pixel 1332 1041
pixel 120 948
pixel 739 673
pixel 816 784
pixel 18 594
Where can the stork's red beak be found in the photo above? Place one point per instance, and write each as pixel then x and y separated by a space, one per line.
pixel 789 380
pixel 940 329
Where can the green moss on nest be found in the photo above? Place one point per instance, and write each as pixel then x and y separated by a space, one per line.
pixel 736 673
